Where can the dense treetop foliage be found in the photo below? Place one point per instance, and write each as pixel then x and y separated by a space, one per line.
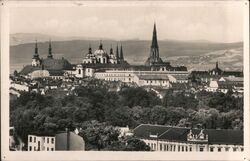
pixel 97 111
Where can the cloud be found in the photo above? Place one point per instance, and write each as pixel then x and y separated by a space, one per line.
pixel 219 22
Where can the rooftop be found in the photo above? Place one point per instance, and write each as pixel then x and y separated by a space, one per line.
pixel 179 134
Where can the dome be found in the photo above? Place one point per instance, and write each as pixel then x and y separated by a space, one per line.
pixel 100 52
pixel 56 64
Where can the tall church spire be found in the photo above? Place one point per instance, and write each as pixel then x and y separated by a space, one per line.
pixel 50 50
pixel 117 52
pixel 121 53
pixel 154 38
pixel 154 57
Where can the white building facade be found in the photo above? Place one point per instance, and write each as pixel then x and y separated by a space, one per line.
pixel 41 143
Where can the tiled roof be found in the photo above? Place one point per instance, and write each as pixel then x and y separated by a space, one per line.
pixel 234 79
pixel 179 134
pixel 145 130
pixel 153 77
pixel 224 136
pixel 181 77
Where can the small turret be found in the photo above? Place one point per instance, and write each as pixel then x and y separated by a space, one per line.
pixel 50 51
pixel 100 46
pixel 36 55
pixel 111 51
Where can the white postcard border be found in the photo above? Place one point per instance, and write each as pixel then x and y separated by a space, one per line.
pixel 91 155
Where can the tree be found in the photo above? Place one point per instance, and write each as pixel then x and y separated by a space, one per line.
pixel 134 144
pixel 98 135
pixel 158 115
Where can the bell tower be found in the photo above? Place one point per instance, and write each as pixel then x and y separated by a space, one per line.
pixel 36 60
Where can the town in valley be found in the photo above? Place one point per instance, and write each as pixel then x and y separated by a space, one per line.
pixel 105 103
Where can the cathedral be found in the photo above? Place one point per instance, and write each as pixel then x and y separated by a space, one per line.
pixel 100 56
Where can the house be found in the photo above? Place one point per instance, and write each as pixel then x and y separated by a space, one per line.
pixel 178 78
pixel 41 143
pixel 152 80
pixel 19 86
pixel 180 139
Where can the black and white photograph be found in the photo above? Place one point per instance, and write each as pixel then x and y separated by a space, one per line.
pixel 121 77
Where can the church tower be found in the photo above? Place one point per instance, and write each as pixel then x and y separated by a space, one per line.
pixel 50 51
pixel 154 57
pixel 36 60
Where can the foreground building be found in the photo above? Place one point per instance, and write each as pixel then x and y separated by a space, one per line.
pixel 180 139
pixel 66 141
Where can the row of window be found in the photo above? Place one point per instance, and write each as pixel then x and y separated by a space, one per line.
pixel 48 140
pixel 115 75
pixel 170 147
pixel 155 81
pixel 34 149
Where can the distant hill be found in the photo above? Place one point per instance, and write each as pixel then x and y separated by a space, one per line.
pixel 135 51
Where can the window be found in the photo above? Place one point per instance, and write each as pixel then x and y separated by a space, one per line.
pixel 234 149
pixel 34 148
pixel 211 149
pixel 201 149
pixel 79 71
pixel 52 140
pixel 38 145
pixel 160 147
pixel 186 148
pixel 165 147
pixel 52 149
pixel 182 148
pixel 30 138
pixel 241 149
pixel 34 139
pixel 226 148
pixel 47 140
pixel 47 148
pixel 190 148
pixel 178 147
pixel 219 149
pixel 30 148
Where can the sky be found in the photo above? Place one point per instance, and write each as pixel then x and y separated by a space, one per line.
pixel 218 23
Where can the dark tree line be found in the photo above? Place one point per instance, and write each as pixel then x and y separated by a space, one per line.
pixel 131 106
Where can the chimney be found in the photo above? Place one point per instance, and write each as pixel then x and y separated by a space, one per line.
pixel 68 138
